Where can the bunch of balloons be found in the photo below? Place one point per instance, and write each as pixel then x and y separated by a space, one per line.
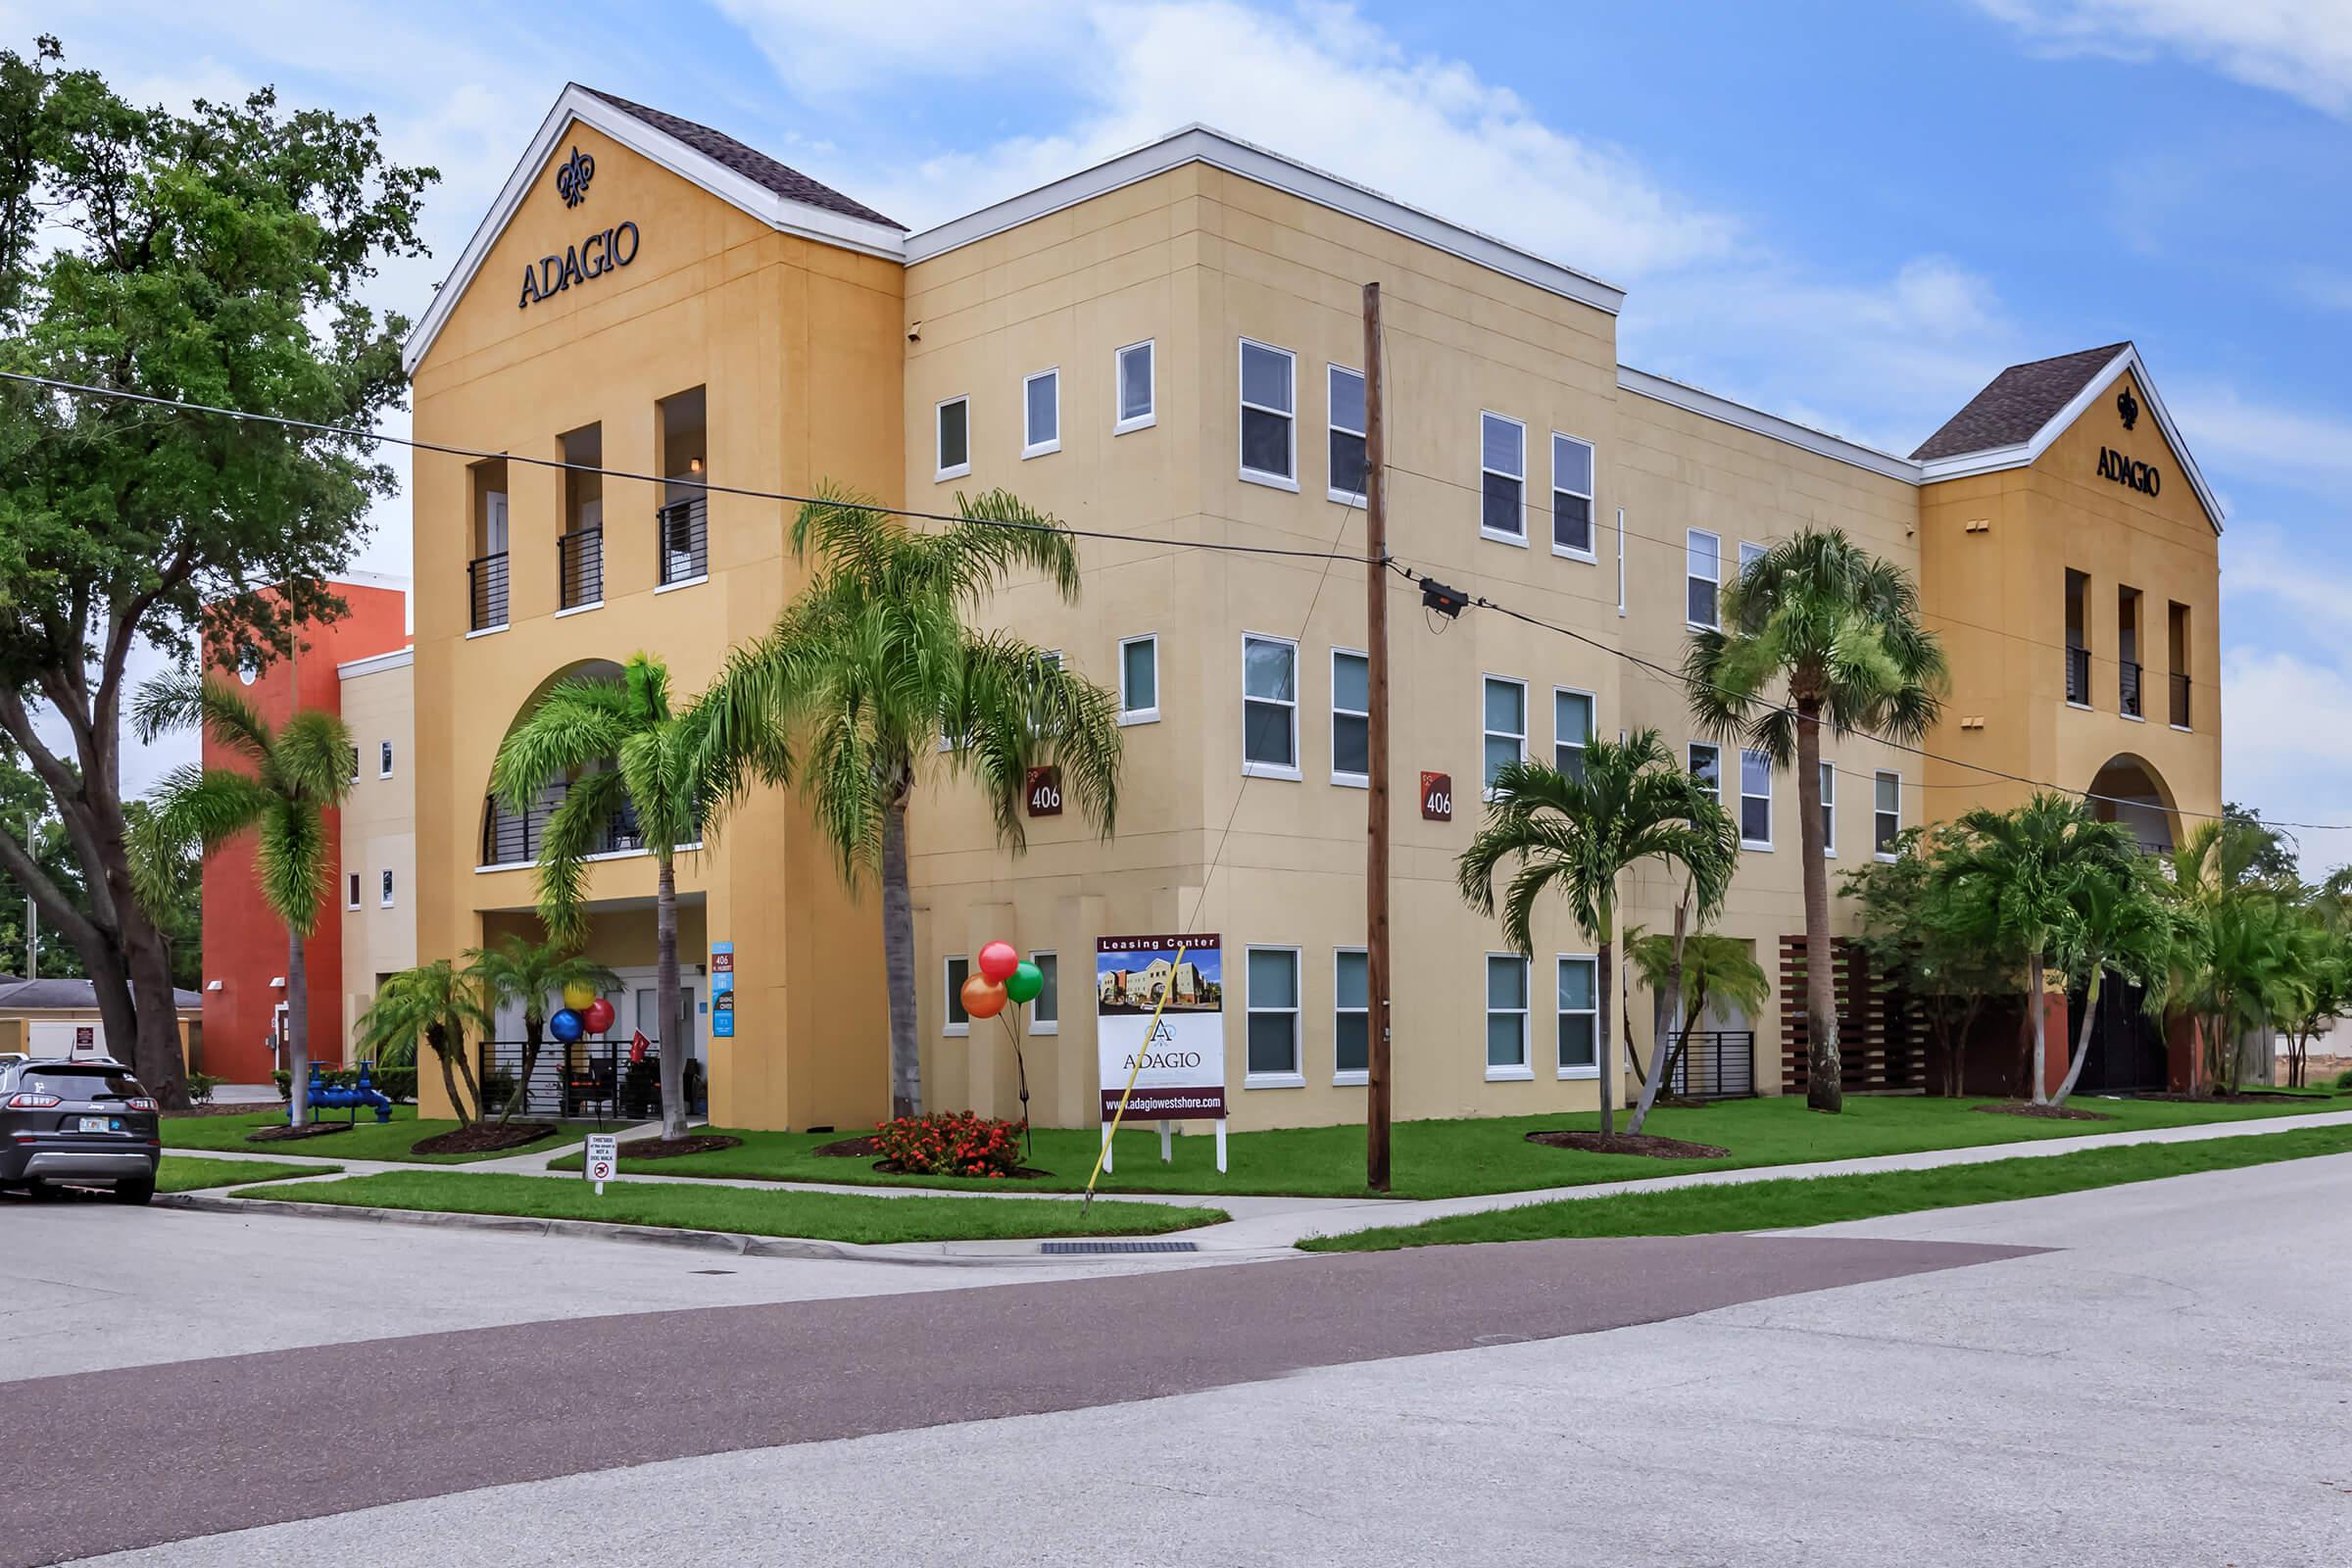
pixel 583 1013
pixel 1005 976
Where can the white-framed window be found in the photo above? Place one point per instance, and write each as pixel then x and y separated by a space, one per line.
pixel 953 422
pixel 1502 478
pixel 1350 462
pixel 1139 679
pixel 956 971
pixel 1749 554
pixel 1503 708
pixel 1273 1020
pixel 1887 816
pixel 1829 811
pixel 1269 415
pixel 1269 706
pixel 1706 767
pixel 355 764
pixel 387 893
pixel 1755 800
pixel 1041 413
pixel 1351 1015
pixel 1350 717
pixel 1506 1017
pixel 383 759
pixel 1579 1015
pixel 351 898
pixel 1702 573
pixel 1045 1013
pixel 1571 729
pixel 1135 388
pixel 1572 498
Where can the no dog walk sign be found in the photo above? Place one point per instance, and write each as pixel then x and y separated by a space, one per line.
pixel 603 1159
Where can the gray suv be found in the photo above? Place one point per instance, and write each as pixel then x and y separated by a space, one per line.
pixel 76 1121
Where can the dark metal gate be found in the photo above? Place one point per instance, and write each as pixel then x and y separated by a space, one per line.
pixel 2128 1051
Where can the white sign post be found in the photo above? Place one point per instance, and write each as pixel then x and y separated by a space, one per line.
pixel 1178 1073
pixel 603 1159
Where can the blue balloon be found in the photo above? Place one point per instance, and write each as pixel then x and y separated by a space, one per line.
pixel 566 1025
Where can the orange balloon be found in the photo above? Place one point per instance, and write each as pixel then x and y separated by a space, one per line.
pixel 983 997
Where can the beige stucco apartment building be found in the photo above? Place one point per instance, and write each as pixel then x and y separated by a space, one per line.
pixel 378 827
pixel 1167 347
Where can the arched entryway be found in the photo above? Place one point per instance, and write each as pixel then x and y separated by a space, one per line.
pixel 2128 1051
pixel 2128 790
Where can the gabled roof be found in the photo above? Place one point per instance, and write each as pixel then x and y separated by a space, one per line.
pixel 70 995
pixel 748 162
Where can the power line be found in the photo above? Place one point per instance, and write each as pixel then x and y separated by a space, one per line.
pixel 352 433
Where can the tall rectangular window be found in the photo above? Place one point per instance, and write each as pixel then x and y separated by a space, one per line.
pixel 1270 706
pixel 1502 477
pixel 1887 820
pixel 1755 800
pixel 1506 725
pixel 1269 416
pixel 387 890
pixel 1045 1013
pixel 1351 1016
pixel 1507 1016
pixel 1273 1003
pixel 1706 767
pixel 351 900
pixel 1829 810
pixel 1749 554
pixel 1703 575
pixel 959 1021
pixel 1139 679
pixel 1350 717
pixel 355 764
pixel 1041 413
pixel 383 759
pixel 1572 495
pixel 1571 729
pixel 1137 385
pixel 1579 1017
pixel 954 446
pixel 1348 463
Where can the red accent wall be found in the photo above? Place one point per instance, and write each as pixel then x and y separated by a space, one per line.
pixel 244 943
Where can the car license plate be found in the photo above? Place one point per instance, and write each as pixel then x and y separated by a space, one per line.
pixel 97 1124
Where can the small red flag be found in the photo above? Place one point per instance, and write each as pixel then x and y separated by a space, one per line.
pixel 639 1046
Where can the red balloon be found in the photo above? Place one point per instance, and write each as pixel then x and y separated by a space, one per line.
pixel 983 997
pixel 997 960
pixel 598 1016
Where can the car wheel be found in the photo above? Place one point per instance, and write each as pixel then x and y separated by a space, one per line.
pixel 139 1192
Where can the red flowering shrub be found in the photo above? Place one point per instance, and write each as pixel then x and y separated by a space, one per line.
pixel 957 1143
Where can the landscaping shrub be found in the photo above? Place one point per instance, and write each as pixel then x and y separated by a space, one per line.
pixel 497 1089
pixel 286 1084
pixel 201 1086
pixel 2344 1081
pixel 955 1144
pixel 399 1084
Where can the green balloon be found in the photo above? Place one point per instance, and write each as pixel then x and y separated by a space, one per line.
pixel 1025 982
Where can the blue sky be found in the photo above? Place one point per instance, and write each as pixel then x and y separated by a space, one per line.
pixel 1849 214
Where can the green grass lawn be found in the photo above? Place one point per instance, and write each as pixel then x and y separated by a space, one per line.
pixel 181 1174
pixel 1455 1158
pixel 370 1140
pixel 1772 1205
pixel 826 1216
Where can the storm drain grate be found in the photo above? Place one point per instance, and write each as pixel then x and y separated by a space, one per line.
pixel 1066 1247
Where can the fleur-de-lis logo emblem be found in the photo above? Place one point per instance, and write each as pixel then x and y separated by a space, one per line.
pixel 2129 407
pixel 571 180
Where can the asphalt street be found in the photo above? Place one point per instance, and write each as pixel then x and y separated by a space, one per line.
pixel 2146 1374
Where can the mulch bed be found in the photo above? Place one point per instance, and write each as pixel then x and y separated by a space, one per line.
pixel 1019 1173
pixel 482 1137
pixel 672 1147
pixel 866 1148
pixel 281 1135
pixel 1649 1144
pixel 229 1108
pixel 2027 1108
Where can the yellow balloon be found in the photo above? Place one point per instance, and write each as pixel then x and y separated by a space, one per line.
pixel 578 996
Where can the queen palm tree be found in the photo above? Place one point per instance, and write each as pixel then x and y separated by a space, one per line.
pixel 440 1004
pixel 517 969
pixel 621 752
pixel 874 678
pixel 1703 967
pixel 1578 834
pixel 1815 631
pixel 293 775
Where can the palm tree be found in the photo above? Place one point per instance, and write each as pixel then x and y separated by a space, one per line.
pixel 297 773
pixel 2117 921
pixel 517 969
pixel 440 1004
pixel 1837 629
pixel 2015 879
pixel 1703 967
pixel 2234 956
pixel 1578 834
pixel 620 751
pixel 874 678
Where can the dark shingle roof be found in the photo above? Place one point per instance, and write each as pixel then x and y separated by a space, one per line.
pixel 2017 403
pixel 748 162
pixel 41 996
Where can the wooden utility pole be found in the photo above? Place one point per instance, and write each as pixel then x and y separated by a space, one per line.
pixel 1376 727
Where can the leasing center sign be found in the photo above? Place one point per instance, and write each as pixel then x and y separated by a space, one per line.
pixel 1181 1076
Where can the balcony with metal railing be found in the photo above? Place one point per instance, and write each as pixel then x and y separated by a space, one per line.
pixel 2077 676
pixel 2128 690
pixel 2180 700
pixel 682 543
pixel 486 592
pixel 515 838
pixel 580 569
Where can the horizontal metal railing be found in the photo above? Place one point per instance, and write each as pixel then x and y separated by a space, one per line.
pixel 2181 700
pixel 588 1079
pixel 2077 675
pixel 486 590
pixel 1717 1064
pixel 2127 689
pixel 580 569
pixel 515 838
pixel 684 543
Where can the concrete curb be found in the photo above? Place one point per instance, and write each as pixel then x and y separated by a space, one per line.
pixel 909 1253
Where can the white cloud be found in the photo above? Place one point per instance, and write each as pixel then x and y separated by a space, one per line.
pixel 2299 47
pixel 2286 746
pixel 2279 444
